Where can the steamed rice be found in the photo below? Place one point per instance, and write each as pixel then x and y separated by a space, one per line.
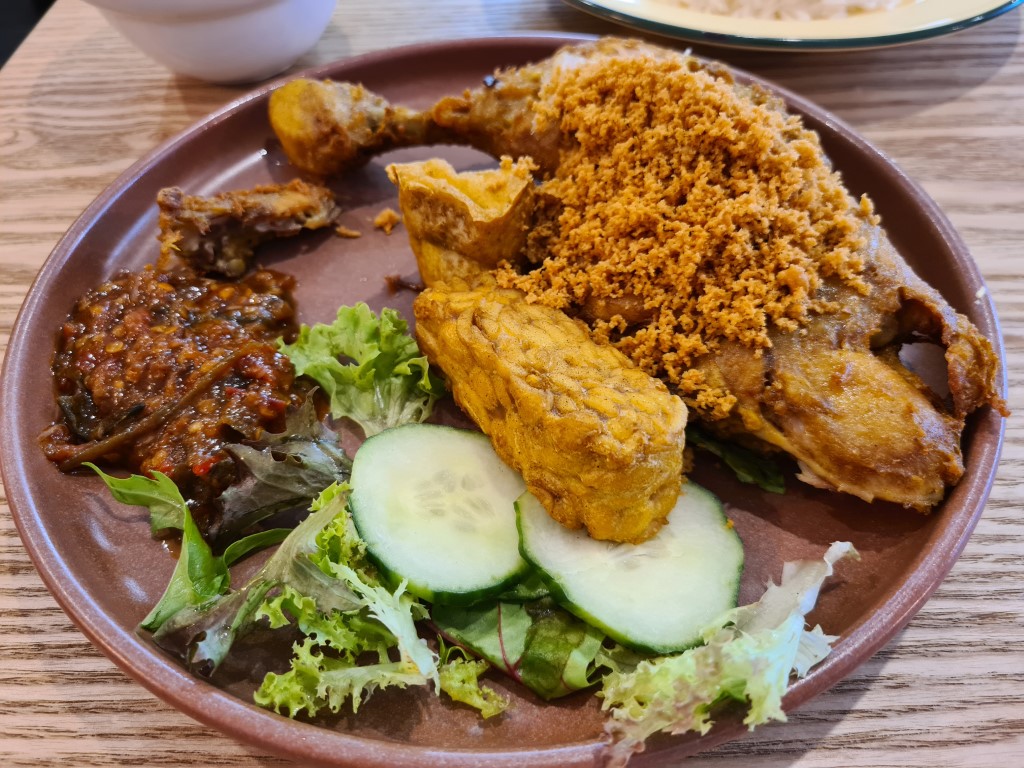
pixel 791 10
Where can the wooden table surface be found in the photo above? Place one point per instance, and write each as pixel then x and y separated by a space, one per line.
pixel 78 105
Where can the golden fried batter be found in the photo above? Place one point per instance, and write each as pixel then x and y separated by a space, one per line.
pixel 218 233
pixel 598 441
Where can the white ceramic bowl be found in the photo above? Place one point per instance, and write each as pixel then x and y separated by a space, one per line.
pixel 223 41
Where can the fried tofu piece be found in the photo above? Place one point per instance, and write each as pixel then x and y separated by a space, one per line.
pixel 462 224
pixel 219 233
pixel 597 440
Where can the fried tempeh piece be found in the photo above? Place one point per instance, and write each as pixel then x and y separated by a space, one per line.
pixel 597 440
pixel 219 233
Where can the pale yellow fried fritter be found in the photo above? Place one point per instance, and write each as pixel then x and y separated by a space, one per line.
pixel 597 440
pixel 461 224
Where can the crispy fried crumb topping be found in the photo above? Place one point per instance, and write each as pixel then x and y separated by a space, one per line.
pixel 692 212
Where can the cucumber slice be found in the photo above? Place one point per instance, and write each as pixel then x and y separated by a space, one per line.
pixel 655 596
pixel 435 506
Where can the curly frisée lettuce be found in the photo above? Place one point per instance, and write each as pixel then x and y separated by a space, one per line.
pixel 387 382
pixel 748 657
pixel 328 667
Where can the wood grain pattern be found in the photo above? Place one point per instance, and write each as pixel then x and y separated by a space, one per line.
pixel 78 105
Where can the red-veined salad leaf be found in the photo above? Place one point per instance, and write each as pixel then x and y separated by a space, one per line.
pixel 538 644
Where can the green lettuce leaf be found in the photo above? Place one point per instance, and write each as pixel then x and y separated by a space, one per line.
pixel 316 680
pixel 321 581
pixel 748 466
pixel 198 577
pixel 395 610
pixel 387 382
pixel 166 506
pixel 538 644
pixel 202 634
pixel 748 657
pixel 323 670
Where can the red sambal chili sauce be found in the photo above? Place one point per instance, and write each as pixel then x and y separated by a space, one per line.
pixel 160 370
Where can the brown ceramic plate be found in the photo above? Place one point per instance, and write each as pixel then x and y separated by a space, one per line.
pixel 97 558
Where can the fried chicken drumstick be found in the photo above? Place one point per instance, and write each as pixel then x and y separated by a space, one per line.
pixel 702 231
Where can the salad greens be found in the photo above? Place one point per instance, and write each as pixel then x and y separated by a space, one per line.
pixel 387 383
pixel 460 679
pixel 538 644
pixel 377 621
pixel 748 656
pixel 281 471
pixel 158 493
pixel 199 577
pixel 202 635
pixel 357 636
pixel 748 466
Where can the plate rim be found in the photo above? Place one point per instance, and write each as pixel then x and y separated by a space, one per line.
pixel 640 23
pixel 319 746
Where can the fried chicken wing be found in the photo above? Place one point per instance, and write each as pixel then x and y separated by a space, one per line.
pixel 219 233
pixel 598 441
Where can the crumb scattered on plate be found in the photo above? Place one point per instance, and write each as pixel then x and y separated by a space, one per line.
pixel 342 231
pixel 387 220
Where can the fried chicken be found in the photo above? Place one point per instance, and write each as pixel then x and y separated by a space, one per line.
pixel 838 398
pixel 219 233
pixel 785 330
pixel 326 127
